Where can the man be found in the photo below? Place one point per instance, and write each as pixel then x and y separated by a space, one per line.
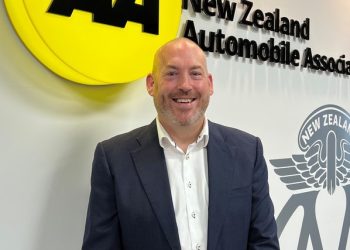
pixel 181 182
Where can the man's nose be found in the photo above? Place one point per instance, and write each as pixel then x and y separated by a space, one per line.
pixel 185 83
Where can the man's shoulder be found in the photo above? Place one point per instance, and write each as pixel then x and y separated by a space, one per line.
pixel 230 133
pixel 129 139
pixel 243 142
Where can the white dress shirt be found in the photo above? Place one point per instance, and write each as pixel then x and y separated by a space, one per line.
pixel 188 178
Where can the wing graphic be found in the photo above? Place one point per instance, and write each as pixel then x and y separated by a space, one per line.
pixel 302 171
pixel 343 164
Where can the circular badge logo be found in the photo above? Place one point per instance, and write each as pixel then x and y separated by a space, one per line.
pixel 95 42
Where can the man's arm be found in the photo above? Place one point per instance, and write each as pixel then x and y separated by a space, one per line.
pixel 102 230
pixel 263 229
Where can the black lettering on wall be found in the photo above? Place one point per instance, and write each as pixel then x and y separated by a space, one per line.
pixel 117 15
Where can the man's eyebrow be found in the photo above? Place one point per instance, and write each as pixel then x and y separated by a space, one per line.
pixel 171 67
pixel 196 67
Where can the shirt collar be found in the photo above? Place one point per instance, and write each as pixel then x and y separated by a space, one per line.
pixel 165 140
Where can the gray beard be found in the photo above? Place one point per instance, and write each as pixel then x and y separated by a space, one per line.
pixel 172 118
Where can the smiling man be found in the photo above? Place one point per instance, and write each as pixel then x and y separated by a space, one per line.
pixel 181 182
pixel 181 87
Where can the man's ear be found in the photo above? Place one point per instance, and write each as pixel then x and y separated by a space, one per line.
pixel 211 86
pixel 150 84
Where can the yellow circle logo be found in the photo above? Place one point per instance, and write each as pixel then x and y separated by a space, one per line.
pixel 95 42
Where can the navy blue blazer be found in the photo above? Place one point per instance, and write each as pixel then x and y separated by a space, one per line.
pixel 130 204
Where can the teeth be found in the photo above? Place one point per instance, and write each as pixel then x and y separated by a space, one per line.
pixel 184 100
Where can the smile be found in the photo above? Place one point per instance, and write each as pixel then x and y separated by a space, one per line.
pixel 184 100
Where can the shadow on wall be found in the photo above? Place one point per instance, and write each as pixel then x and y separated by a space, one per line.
pixel 31 86
pixel 31 82
pixel 62 221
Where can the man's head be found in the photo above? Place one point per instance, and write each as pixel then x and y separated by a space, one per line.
pixel 180 83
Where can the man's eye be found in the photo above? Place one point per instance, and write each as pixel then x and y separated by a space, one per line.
pixel 171 73
pixel 196 74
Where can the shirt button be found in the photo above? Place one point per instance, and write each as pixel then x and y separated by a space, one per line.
pixel 193 215
pixel 198 247
pixel 189 184
pixel 187 156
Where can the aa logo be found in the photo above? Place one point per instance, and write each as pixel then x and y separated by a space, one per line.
pixel 324 164
pixel 95 41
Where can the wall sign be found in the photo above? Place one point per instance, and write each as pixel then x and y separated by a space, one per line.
pixel 324 164
pixel 270 21
pixel 95 42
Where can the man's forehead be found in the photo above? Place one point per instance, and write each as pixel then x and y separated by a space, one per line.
pixel 177 57
pixel 178 53
pixel 181 48
pixel 180 43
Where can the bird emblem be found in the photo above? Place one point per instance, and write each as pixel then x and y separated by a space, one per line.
pixel 324 139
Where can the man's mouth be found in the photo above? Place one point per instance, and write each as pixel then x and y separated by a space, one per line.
pixel 184 100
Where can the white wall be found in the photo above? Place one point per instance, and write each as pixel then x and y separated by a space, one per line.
pixel 49 126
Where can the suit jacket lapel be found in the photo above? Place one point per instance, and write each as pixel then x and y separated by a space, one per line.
pixel 221 173
pixel 150 164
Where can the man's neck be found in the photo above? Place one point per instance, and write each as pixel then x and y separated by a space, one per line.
pixel 183 136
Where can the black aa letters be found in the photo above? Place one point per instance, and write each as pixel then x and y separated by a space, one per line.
pixel 117 15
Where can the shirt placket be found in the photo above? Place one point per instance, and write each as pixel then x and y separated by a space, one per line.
pixel 191 193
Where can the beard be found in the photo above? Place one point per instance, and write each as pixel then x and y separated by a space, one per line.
pixel 165 110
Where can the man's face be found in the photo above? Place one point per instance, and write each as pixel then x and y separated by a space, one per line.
pixel 181 86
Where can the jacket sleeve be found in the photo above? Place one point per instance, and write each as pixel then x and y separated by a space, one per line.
pixel 102 230
pixel 263 229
